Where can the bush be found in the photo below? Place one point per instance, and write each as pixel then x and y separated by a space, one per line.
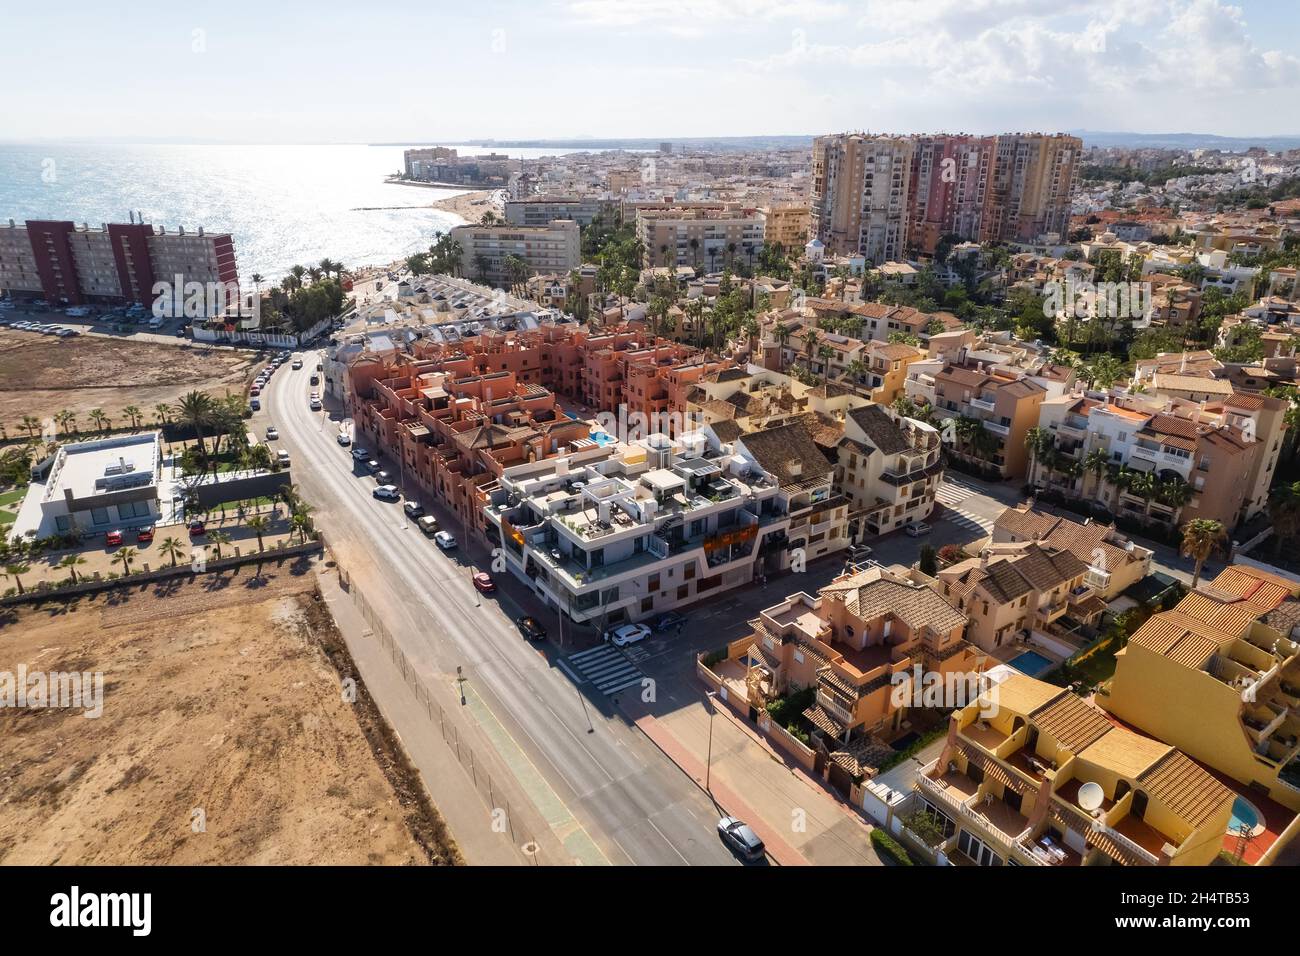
pixel 929 563
pixel 890 848
pixel 787 710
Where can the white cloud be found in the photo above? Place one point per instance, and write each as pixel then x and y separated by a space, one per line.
pixel 1010 49
pixel 695 15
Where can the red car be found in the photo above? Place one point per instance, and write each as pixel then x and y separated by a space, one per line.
pixel 144 535
pixel 197 528
pixel 112 537
pixel 483 581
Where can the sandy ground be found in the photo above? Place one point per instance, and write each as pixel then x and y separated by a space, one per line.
pixel 41 376
pixel 222 696
pixel 470 206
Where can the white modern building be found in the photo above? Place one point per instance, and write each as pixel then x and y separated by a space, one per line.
pixel 95 486
pixel 613 532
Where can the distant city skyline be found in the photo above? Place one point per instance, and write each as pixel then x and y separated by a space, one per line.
pixel 576 69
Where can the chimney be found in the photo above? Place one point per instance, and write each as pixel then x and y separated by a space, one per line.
pixel 794 467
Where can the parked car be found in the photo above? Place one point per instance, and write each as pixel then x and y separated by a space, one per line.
pixel 373 465
pixel 483 581
pixel 413 509
pixel 360 454
pixel 741 840
pixel 530 628
pixel 272 433
pixel 112 538
pixel 144 535
pixel 255 405
pixel 627 634
pixel 387 493
pixel 282 456
pixel 315 405
pixel 917 528
pixel 383 477
pixel 668 620
pixel 344 439
pixel 428 524
pixel 445 540
pixel 198 528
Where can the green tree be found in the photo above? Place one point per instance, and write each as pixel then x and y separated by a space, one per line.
pixel 1200 537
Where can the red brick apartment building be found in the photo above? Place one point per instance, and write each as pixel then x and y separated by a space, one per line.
pixel 458 415
pixel 67 264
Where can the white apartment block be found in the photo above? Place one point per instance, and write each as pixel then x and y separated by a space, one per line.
pixel 618 531
pixel 553 248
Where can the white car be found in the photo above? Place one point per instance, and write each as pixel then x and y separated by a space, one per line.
pixel 272 433
pixel 445 540
pixel 917 528
pixel 344 439
pixel 388 493
pixel 627 634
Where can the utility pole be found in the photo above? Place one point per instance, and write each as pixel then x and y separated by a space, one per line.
pixel 708 763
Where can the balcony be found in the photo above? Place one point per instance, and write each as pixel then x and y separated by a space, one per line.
pixel 983 404
pixel 996 428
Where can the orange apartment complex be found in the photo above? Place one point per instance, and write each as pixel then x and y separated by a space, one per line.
pixel 455 415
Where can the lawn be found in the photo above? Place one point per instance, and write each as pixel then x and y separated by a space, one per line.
pixel 9 497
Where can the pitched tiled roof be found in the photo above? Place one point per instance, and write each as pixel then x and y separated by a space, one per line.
pixel 1070 721
pixel 869 596
pixel 1182 786
pixel 777 449
pixel 881 429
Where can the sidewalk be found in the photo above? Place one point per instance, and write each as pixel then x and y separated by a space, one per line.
pixel 800 822
pixel 465 812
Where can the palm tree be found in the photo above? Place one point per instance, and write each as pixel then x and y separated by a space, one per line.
pixel 695 251
pixel 1200 537
pixel 259 525
pixel 127 557
pixel 1039 442
pixel 100 419
pixel 197 408
pixel 218 539
pixel 133 412
pixel 163 412
pixel 31 423
pixel 15 571
pixel 67 420
pixel 1096 461
pixel 70 562
pixel 301 524
pixel 172 548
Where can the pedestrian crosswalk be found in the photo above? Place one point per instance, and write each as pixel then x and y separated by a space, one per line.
pixel 607 667
pixel 951 494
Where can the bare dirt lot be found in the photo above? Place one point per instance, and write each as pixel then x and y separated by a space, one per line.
pixel 223 696
pixel 41 375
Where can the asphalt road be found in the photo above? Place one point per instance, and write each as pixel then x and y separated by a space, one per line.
pixel 601 775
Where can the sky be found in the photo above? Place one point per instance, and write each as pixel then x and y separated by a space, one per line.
pixel 448 70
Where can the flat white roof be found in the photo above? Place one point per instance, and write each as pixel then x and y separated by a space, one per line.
pixel 98 467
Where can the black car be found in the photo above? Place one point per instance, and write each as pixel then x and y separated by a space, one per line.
pixel 413 510
pixel 530 628
pixel 668 621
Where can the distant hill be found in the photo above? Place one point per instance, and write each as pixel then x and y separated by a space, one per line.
pixel 1183 140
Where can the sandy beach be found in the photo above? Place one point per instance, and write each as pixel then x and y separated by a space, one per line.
pixel 471 206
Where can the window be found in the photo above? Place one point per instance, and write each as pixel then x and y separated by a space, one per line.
pixel 99 515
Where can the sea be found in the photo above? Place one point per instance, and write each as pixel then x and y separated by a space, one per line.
pixel 284 205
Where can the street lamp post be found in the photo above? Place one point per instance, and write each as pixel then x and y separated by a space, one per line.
pixel 708 762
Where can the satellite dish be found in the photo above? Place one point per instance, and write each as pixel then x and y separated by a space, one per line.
pixel 1090 796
